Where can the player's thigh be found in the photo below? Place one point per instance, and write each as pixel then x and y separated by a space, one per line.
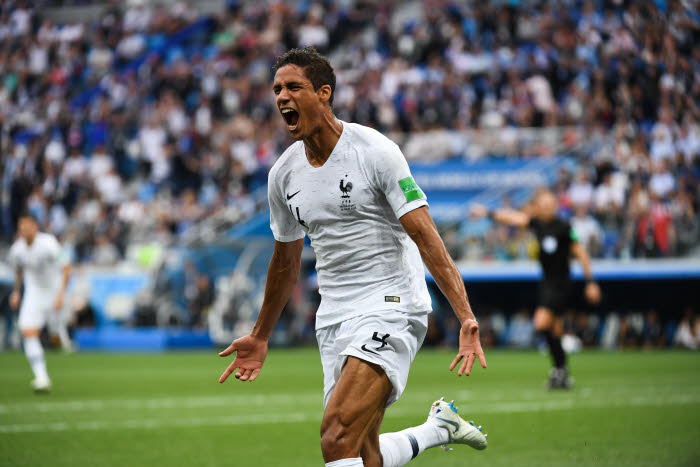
pixel 357 403
pixel 32 314
pixel 389 341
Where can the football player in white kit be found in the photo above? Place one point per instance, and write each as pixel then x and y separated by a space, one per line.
pixel 350 190
pixel 39 264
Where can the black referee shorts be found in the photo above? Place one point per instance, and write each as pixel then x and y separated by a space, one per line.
pixel 555 295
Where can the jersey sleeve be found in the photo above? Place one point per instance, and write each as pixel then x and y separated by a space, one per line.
pixel 13 258
pixel 393 178
pixel 534 225
pixel 284 226
pixel 573 236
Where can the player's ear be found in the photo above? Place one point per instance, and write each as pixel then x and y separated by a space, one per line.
pixel 324 93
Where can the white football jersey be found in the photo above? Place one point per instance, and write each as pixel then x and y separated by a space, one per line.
pixel 350 209
pixel 41 263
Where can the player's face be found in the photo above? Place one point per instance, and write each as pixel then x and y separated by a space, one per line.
pixel 27 228
pixel 546 206
pixel 297 101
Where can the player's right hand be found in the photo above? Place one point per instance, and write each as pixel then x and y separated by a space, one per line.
pixel 592 293
pixel 250 356
pixel 478 210
pixel 14 300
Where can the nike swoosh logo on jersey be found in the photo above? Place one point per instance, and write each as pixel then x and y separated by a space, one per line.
pixel 364 347
pixel 292 196
pixel 454 424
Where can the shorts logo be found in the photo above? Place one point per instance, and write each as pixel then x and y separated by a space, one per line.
pixel 410 189
pixel 391 299
pixel 375 337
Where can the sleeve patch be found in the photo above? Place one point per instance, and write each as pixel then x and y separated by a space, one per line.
pixel 410 189
pixel 573 235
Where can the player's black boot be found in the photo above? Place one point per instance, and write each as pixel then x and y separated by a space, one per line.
pixel 559 379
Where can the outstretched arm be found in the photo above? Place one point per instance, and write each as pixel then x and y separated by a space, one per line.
pixel 282 274
pixel 592 290
pixel 421 228
pixel 504 215
pixel 17 289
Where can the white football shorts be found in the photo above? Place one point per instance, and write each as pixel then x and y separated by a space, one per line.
pixel 37 309
pixel 389 340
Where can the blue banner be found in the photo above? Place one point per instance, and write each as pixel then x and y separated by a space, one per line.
pixel 452 186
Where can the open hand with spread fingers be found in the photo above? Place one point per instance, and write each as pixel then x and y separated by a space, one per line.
pixel 469 348
pixel 250 356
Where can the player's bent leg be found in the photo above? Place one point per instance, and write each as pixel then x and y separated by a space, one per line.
pixel 443 426
pixel 58 328
pixel 356 405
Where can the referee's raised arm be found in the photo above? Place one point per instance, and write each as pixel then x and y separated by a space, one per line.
pixel 506 216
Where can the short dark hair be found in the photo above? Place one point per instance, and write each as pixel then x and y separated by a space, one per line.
pixel 316 67
pixel 25 214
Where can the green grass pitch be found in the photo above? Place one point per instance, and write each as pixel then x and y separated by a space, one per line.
pixel 628 408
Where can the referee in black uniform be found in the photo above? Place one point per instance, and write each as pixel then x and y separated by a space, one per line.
pixel 557 242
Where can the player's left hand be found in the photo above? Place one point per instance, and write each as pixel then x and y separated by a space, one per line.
pixel 250 356
pixel 58 304
pixel 592 293
pixel 469 348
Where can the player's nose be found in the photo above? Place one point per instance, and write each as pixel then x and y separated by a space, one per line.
pixel 282 97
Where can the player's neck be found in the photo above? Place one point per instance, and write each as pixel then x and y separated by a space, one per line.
pixel 321 143
pixel 30 239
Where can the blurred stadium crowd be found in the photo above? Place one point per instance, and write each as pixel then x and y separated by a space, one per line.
pixel 154 119
pixel 140 124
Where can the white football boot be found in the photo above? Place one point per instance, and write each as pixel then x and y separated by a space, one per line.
pixel 444 415
pixel 41 384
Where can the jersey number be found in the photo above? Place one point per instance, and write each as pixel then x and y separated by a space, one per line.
pixel 299 219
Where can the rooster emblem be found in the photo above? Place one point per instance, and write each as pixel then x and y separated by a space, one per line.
pixel 345 188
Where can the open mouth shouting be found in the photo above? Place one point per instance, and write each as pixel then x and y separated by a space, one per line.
pixel 291 117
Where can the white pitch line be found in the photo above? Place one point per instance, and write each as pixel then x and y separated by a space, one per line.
pixel 143 423
pixel 315 415
pixel 464 397
pixel 158 403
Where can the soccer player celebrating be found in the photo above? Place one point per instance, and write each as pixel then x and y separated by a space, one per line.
pixel 40 264
pixel 350 190
pixel 557 241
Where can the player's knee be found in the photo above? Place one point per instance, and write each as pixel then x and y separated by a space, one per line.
pixel 337 439
pixel 370 452
pixel 26 333
pixel 542 320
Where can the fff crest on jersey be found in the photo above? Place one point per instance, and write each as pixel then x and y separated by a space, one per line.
pixel 346 203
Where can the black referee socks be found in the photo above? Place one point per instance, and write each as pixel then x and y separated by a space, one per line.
pixel 555 349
